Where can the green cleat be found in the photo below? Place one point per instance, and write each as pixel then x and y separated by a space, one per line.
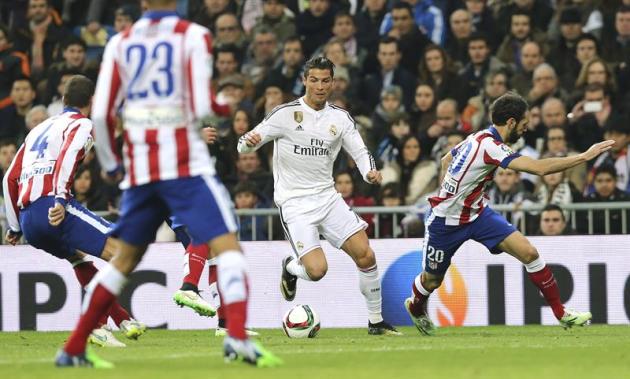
pixel 573 318
pixel 97 362
pixel 87 359
pixel 132 329
pixel 248 351
pixel 192 300
pixel 423 323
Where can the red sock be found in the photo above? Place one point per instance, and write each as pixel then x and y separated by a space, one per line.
pixel 118 313
pixel 100 302
pixel 236 318
pixel 197 256
pixel 419 305
pixel 212 278
pixel 84 272
pixel 547 284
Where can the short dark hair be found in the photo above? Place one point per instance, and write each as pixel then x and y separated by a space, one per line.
pixel 293 39
pixel 590 37
pixel 73 40
pixel 245 187
pixel 229 48
pixel 554 207
pixel 6 142
pixel 519 12
pixel 478 36
pixel 404 5
pixel 510 105
pixel 390 190
pixel 389 39
pixel 319 63
pixel 606 169
pixel 344 14
pixel 78 92
pixel 23 78
pixel 623 8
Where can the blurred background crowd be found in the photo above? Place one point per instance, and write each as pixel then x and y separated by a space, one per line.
pixel 418 76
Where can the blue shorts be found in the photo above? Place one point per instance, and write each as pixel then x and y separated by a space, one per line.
pixel 80 230
pixel 181 234
pixel 442 241
pixel 201 203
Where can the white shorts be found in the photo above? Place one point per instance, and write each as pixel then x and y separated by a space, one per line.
pixel 305 218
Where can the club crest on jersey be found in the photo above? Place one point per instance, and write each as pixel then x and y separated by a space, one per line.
pixel 299 245
pixel 507 149
pixel 298 116
pixel 333 130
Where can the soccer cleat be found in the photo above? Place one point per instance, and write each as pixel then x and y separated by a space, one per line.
pixel 382 329
pixel 132 329
pixel 222 332
pixel 87 359
pixel 104 337
pixel 194 301
pixel 248 351
pixel 423 323
pixel 288 283
pixel 573 318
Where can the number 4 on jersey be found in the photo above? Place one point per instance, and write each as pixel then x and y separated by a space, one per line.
pixel 41 143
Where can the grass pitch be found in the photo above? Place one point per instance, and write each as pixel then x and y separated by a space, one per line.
pixel 481 352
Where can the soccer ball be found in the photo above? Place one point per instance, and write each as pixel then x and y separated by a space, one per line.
pixel 301 322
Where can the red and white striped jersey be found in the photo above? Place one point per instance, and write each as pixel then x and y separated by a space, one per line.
pixel 463 193
pixel 156 76
pixel 45 163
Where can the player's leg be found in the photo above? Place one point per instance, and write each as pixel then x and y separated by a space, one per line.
pixel 542 277
pixel 216 223
pixel 358 248
pixel 141 215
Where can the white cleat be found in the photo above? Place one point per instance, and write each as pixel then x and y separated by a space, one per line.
pixel 194 301
pixel 104 337
pixel 132 329
pixel 573 318
pixel 222 332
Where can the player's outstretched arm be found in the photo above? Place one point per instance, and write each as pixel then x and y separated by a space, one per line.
pixel 550 165
pixel 266 131
pixel 444 163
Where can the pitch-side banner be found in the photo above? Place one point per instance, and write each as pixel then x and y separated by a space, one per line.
pixel 38 291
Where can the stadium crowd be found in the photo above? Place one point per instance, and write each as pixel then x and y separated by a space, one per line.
pixel 418 76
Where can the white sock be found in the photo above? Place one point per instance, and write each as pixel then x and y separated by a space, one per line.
pixel 296 268
pixel 370 285
pixel 418 283
pixel 110 278
pixel 231 270
pixel 535 266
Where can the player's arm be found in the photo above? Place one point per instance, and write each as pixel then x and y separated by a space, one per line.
pixel 444 163
pixel 550 165
pixel 77 142
pixel 354 145
pixel 10 185
pixel 268 130
pixel 107 99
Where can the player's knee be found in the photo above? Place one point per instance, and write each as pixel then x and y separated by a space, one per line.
pixel 366 259
pixel 317 272
pixel 431 282
pixel 530 254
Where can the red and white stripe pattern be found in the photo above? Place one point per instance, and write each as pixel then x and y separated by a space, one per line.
pixel 463 193
pixel 156 76
pixel 46 163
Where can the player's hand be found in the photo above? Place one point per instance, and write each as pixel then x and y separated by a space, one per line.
pixel 56 214
pixel 252 139
pixel 597 149
pixel 209 134
pixel 374 177
pixel 13 237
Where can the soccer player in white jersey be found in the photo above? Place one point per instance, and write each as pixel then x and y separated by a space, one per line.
pixel 39 204
pixel 459 211
pixel 159 71
pixel 308 135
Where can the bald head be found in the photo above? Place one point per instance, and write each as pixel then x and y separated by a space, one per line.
pixel 553 112
pixel 531 56
pixel 447 114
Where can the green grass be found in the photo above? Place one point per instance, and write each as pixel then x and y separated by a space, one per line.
pixel 482 352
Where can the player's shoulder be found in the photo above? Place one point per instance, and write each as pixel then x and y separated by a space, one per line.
pixel 283 109
pixel 341 114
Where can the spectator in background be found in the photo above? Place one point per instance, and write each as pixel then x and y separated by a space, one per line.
pixel 390 74
pixel 556 189
pixel 476 114
pixel 232 87
pixel 562 52
pixel 249 168
pixel 586 49
pixel 422 112
pixel 617 50
pixel 314 25
pixel 125 16
pixel 437 70
pixel 262 55
pixel 345 186
pixel 387 150
pixel 589 117
pixel 434 138
pixel 389 109
pixel 539 12
pixel 227 62
pixel 229 32
pixel 605 190
pixel 546 85
pixel 74 61
pixel 225 149
pixel 417 175
pixel 508 189
pixel 275 18
pixel 553 222
pixel 13 65
pixel 368 21
pixel 8 149
pixel 272 97
pixel 617 128
pixel 426 15
pixel 596 71
pixel 56 105
pixel 521 31
pixel 531 57
pixel 483 21
pixel 411 41
pixel 43 37
pixel 481 62
pixel 35 116
pixel 86 193
pixel 389 196
pixel 344 29
pixel 246 196
pixel 12 122
pixel 461 29
pixel 289 72
pixel 211 10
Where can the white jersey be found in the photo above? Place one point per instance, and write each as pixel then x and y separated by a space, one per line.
pixel 46 162
pixel 463 193
pixel 306 144
pixel 157 74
